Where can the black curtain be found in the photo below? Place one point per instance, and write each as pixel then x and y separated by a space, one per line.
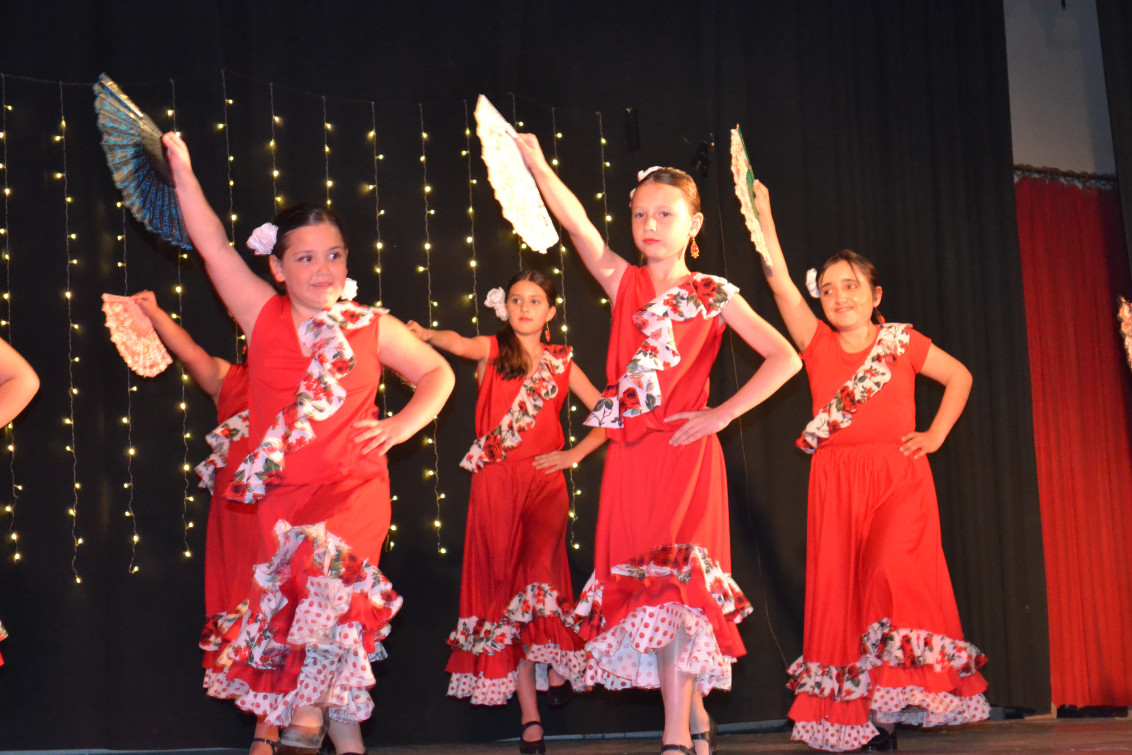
pixel 1115 21
pixel 880 126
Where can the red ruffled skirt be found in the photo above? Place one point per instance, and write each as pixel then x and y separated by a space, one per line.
pixel 882 630
pixel 515 586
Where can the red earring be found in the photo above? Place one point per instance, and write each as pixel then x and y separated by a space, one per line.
pixel 547 333
pixel 695 248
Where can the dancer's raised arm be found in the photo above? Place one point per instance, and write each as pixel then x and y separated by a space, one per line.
pixel 604 264
pixel 800 320
pixel 243 292
pixel 206 370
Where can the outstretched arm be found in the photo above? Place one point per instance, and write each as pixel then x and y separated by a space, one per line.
pixel 604 265
pixel 18 383
pixel 581 387
pixel 801 322
pixel 476 348
pixel 243 292
pixel 780 363
pixel 403 352
pixel 956 381
pixel 206 370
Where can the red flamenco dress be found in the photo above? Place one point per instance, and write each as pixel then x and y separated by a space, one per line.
pixel 320 606
pixel 662 556
pixel 882 631
pixel 515 583
pixel 232 540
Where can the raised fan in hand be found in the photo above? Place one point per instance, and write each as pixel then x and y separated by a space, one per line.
pixel 512 182
pixel 132 142
pixel 744 190
pixel 133 333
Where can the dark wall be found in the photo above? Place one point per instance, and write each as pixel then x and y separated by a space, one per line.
pixel 880 126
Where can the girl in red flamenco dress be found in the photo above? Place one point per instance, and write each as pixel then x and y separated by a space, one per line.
pixel 18 385
pixel 882 642
pixel 661 608
pixel 299 654
pixel 232 538
pixel 515 588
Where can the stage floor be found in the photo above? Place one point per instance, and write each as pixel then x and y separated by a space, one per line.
pixel 1031 735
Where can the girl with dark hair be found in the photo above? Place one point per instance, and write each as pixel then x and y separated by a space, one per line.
pixel 661 607
pixel 300 653
pixel 882 642
pixel 515 584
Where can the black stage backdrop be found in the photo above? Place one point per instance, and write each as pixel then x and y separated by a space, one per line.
pixel 1115 21
pixel 881 126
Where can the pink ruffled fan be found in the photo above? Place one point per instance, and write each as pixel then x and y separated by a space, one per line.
pixel 133 334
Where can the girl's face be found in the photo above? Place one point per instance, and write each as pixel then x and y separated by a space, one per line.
pixel 528 310
pixel 846 298
pixel 313 267
pixel 662 221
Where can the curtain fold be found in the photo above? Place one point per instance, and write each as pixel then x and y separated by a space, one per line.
pixel 1073 264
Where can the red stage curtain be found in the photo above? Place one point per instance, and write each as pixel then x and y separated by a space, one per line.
pixel 1073 266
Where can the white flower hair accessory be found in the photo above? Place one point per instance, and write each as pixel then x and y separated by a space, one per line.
pixel 497 300
pixel 350 289
pixel 812 283
pixel 262 240
pixel 641 176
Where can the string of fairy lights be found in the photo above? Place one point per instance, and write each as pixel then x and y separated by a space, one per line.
pixel 72 328
pixel 128 419
pixel 5 248
pixel 187 496
pixel 473 263
pixel 430 437
pixel 326 127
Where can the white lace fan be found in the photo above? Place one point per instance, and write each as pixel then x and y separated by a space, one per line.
pixel 512 182
pixel 744 190
pixel 132 332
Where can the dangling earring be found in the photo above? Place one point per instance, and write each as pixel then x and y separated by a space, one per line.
pixel 695 248
pixel 547 332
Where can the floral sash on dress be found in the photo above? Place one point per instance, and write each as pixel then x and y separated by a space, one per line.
pixel 638 390
pixel 539 387
pixel 317 397
pixel 863 385
pixel 219 440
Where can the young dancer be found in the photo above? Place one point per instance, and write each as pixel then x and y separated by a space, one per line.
pixel 317 469
pixel 18 384
pixel 661 607
pixel 516 579
pixel 233 536
pixel 882 642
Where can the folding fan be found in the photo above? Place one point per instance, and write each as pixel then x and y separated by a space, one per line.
pixel 132 142
pixel 132 332
pixel 744 190
pixel 512 182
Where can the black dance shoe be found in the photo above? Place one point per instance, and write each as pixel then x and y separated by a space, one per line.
pixel 558 695
pixel 885 741
pixel 537 747
pixel 708 736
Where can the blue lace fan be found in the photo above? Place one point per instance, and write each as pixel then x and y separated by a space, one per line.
pixel 132 143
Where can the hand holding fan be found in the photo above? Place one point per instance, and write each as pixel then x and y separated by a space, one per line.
pixel 744 190
pixel 512 182
pixel 132 143
pixel 132 332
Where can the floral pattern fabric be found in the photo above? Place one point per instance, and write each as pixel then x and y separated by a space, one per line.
pixel 220 440
pixel 536 389
pixel 330 605
pixel 317 397
pixel 891 341
pixel 638 390
pixel 621 656
pixel 883 644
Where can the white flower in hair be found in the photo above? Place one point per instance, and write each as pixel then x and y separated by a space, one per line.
pixel 497 299
pixel 812 283
pixel 641 176
pixel 262 240
pixel 350 289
